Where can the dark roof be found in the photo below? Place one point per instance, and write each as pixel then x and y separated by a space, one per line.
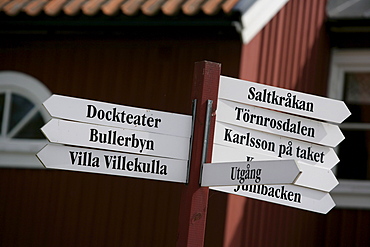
pixel 116 7
pixel 348 9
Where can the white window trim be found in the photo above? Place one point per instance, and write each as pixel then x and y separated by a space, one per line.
pixel 349 193
pixel 20 153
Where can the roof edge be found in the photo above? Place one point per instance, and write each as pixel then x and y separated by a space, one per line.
pixel 255 18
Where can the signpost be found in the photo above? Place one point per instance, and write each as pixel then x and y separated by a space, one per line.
pixel 254 172
pixel 266 155
pixel 152 144
pixel 194 198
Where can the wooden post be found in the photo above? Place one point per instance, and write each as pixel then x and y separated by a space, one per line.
pixel 194 199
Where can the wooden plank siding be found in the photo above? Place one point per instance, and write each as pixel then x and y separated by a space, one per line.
pixel 291 52
pixel 60 208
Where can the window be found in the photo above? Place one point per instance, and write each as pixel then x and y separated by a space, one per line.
pixel 21 117
pixel 350 81
pixel 356 147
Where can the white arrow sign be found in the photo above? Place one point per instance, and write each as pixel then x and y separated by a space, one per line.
pixel 89 111
pixel 274 145
pixel 282 100
pixel 254 172
pixel 313 177
pixel 113 163
pixel 278 123
pixel 288 195
pixel 116 139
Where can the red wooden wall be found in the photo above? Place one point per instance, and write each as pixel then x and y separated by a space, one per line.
pixel 292 52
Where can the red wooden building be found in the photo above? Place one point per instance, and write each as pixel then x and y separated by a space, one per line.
pixel 142 54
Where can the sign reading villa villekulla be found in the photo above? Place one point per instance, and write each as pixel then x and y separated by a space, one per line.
pixel 132 142
pixel 113 163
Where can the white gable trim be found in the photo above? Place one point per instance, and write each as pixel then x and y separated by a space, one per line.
pixel 257 17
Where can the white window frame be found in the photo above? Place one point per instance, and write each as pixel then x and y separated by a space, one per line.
pixel 349 193
pixel 20 153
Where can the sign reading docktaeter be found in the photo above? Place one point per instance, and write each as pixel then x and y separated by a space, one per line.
pixel 146 143
pixel 250 126
pixel 127 117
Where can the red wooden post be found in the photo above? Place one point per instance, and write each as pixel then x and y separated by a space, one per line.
pixel 194 199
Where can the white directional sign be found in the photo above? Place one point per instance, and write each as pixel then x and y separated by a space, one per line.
pixel 253 172
pixel 117 139
pixel 285 194
pixel 315 177
pixel 311 176
pixel 113 163
pixel 278 123
pixel 89 111
pixel 282 100
pixel 274 145
pixel 288 195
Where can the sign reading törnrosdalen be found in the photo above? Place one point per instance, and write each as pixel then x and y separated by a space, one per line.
pixel 284 100
pixel 278 123
pixel 113 163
